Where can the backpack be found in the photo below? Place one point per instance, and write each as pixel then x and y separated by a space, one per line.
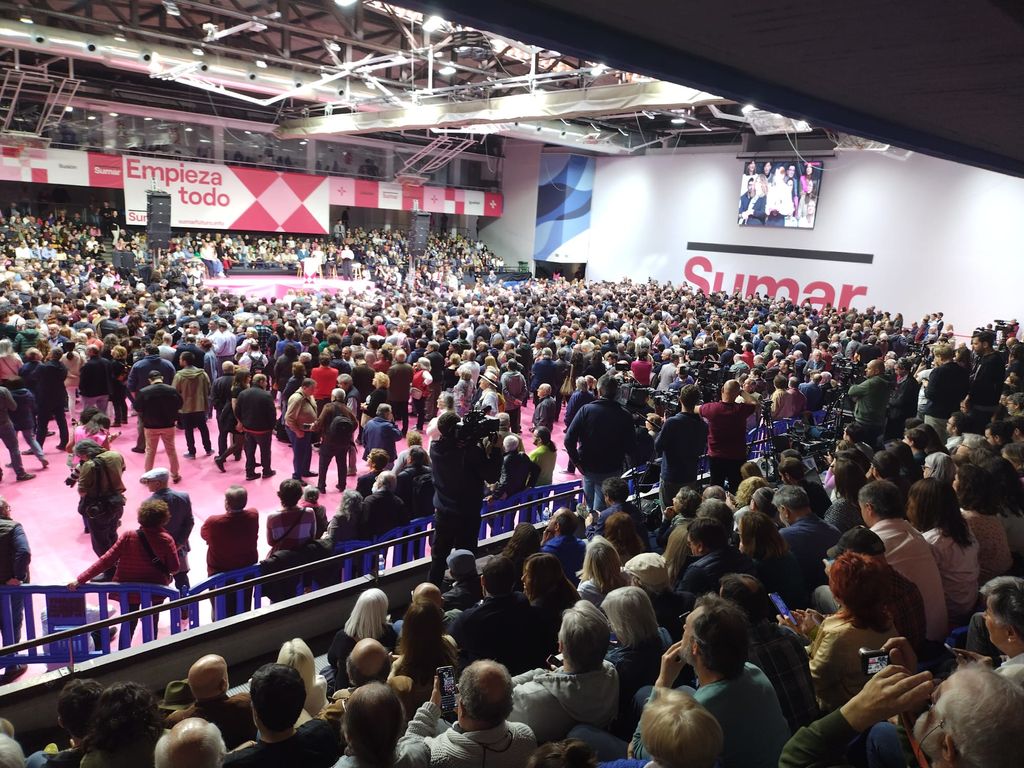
pixel 422 495
pixel 257 363
pixel 341 429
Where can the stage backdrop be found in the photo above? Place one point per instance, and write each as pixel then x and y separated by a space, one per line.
pixel 915 236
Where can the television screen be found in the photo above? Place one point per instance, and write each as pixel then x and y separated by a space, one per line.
pixel 779 193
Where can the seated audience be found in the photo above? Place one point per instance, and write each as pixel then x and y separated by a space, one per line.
pixel 124 729
pixel 369 619
pixel 650 573
pixel 715 557
pixel 621 532
pixel 296 654
pixel 483 734
pixel 278 696
pixel 465 590
pixel 500 627
pixel 550 594
pixel 738 695
pixel 375 731
pixel 584 690
pixel 932 508
pixel 677 731
pixel 423 646
pixel 208 681
pixel 560 540
pixel 601 572
pixel 973 490
pixel 843 514
pixel 383 510
pixel 525 541
pixel 806 534
pixel 776 567
pixel 192 743
pixel 76 703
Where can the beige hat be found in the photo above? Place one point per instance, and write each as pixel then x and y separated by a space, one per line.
pixel 650 570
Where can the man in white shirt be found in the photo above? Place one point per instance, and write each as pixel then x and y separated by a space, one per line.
pixel 224 344
pixel 906 550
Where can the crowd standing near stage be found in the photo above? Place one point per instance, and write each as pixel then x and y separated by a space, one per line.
pixel 619 628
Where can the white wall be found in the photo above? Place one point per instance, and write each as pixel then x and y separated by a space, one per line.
pixel 945 237
pixel 511 235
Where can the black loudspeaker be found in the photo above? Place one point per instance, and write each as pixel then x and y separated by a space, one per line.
pixel 418 233
pixel 158 219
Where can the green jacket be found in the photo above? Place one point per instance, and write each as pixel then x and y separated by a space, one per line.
pixel 194 387
pixel 823 744
pixel 872 400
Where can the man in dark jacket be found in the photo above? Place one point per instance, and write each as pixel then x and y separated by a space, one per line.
pixel 501 627
pixel 681 441
pixel 382 509
pixel 159 404
pixel 576 401
pixel 24 417
pixel 220 397
pixel 257 414
pixel 138 377
pixel 335 438
pixel 15 557
pixel 947 385
pixel 94 380
pixel 599 438
pixel 181 522
pixel 544 371
pixel 50 398
pixel 709 543
pixel 459 470
pixel 400 375
pixel 902 401
pixel 464 590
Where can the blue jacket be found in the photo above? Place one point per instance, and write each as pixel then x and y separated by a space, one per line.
pixel 544 371
pixel 381 433
pixel 702 575
pixel 138 376
pixel 600 436
pixel 577 400
pixel 569 550
pixel 25 416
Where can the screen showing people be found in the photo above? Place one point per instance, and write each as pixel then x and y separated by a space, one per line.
pixel 779 193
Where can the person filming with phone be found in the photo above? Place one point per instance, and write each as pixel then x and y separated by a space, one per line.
pixel 482 734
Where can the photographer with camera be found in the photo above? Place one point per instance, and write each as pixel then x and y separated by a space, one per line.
pixel 727 433
pixel 683 439
pixel 599 439
pixel 100 481
pixel 462 460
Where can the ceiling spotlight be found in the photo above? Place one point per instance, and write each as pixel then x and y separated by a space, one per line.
pixel 171 8
pixel 112 114
pixel 26 20
pixel 333 46
pixel 91 117
pixel 345 3
pixel 678 120
pixel 748 108
pixel 121 38
pixel 197 51
pixel 446 70
pixel 598 69
pixel 433 24
pixel 147 119
pixel 302 143
pixel 188 130
pixel 248 133
pixel 261 64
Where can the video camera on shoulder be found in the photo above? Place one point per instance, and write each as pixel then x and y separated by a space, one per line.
pixel 476 427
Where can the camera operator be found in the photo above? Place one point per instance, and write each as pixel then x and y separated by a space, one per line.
pixel 459 468
pixel 599 438
pixel 987 377
pixel 727 433
pixel 871 398
pixel 682 440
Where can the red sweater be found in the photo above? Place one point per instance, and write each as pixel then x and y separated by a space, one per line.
pixel 232 538
pixel 132 563
pixel 326 379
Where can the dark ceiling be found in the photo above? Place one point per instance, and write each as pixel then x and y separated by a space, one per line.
pixel 942 78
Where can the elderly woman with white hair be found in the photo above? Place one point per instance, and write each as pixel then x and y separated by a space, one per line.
pixel 369 619
pixel 636 648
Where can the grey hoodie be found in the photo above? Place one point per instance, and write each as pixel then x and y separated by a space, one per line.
pixel 508 745
pixel 552 703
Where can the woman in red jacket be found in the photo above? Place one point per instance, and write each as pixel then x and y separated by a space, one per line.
pixel 132 561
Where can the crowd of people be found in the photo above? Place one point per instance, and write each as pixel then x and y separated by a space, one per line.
pixel 723 627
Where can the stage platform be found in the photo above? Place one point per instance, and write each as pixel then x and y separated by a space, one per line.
pixel 277 286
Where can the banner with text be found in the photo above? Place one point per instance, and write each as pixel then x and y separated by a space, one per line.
pixel 208 196
pixel 60 166
pixel 362 193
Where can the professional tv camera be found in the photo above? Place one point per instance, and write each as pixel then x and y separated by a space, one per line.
pixel 476 427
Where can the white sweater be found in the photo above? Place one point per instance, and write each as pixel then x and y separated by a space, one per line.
pixel 508 745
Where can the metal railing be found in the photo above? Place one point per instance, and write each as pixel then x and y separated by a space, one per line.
pixel 182 606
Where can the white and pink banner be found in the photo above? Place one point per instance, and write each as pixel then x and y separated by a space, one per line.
pixel 212 196
pixel 209 196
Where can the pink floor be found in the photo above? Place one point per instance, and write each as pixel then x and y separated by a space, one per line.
pixel 47 508
pixel 276 286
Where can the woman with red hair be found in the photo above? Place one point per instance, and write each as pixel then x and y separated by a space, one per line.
pixel 861 587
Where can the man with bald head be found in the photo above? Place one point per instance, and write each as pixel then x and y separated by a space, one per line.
pixel 727 433
pixel 208 680
pixel 871 400
pixel 192 743
pixel 484 735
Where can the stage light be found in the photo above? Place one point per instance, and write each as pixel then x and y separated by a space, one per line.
pixel 345 3
pixel 678 121
pixel 113 114
pixel 433 24
pixel 147 119
pixel 198 52
pixel 188 130
pixel 26 20
pixel 91 117
pixel 261 64
pixel 446 70
pixel 69 109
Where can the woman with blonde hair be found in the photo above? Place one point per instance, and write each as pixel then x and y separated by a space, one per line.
pixel 10 361
pixel 602 571
pixel 297 655
pixel 369 619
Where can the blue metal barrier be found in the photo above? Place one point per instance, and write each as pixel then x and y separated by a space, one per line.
pixel 243 600
pixel 533 513
pixel 66 609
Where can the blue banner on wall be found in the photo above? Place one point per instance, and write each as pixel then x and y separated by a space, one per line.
pixel 566 188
